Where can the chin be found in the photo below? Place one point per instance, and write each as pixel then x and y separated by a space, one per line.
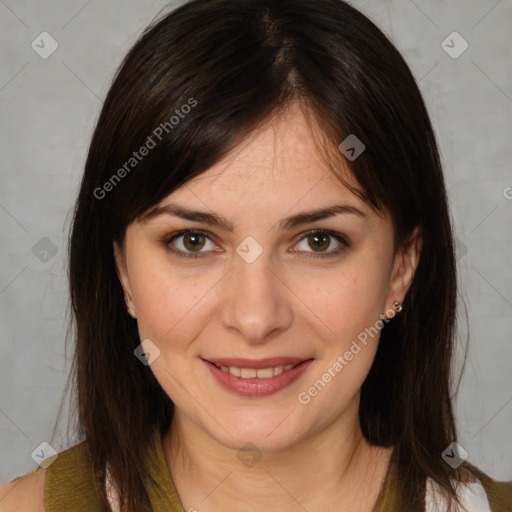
pixel 267 434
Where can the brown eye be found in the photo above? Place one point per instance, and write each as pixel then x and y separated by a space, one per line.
pixel 194 241
pixel 315 244
pixel 319 241
pixel 189 243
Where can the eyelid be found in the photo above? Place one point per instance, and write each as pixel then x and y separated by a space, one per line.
pixel 169 239
pixel 339 237
pixel 342 239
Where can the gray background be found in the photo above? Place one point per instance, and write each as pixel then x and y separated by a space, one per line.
pixel 48 109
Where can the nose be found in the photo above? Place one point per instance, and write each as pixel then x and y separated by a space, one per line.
pixel 254 302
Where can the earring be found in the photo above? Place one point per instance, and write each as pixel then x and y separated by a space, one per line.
pixel 131 311
pixel 397 306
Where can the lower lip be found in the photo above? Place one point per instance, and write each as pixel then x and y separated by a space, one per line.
pixel 258 387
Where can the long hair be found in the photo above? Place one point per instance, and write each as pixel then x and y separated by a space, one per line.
pixel 197 81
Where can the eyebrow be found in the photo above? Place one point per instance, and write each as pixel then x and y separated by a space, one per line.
pixel 215 220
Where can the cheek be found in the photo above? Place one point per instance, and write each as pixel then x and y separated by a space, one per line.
pixel 170 305
pixel 347 300
pixel 348 306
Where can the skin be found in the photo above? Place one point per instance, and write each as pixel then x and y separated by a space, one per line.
pixel 286 302
pixel 24 494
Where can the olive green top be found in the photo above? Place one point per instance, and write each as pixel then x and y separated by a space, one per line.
pixel 70 485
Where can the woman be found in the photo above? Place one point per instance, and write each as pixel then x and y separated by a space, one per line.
pixel 262 278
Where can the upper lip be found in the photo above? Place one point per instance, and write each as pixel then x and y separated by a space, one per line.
pixel 256 363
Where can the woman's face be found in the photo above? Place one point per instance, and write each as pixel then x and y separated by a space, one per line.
pixel 265 288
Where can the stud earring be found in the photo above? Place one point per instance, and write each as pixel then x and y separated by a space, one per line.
pixel 131 311
pixel 397 306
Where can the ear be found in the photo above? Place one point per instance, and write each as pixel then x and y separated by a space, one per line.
pixel 404 266
pixel 121 268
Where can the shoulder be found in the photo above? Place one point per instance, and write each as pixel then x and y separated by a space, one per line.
pixel 477 492
pixel 25 493
pixel 63 486
pixel 71 481
pixel 499 494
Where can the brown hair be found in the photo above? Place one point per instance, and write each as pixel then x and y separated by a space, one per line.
pixel 234 63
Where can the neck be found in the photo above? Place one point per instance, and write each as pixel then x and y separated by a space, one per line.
pixel 335 467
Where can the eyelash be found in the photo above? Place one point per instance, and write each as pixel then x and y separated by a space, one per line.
pixel 337 236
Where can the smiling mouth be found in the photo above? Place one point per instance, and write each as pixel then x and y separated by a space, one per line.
pixel 259 373
pixel 257 378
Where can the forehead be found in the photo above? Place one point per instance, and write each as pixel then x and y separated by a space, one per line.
pixel 281 159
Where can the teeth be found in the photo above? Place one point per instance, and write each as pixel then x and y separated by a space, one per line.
pixel 235 371
pixel 264 373
pixel 260 373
